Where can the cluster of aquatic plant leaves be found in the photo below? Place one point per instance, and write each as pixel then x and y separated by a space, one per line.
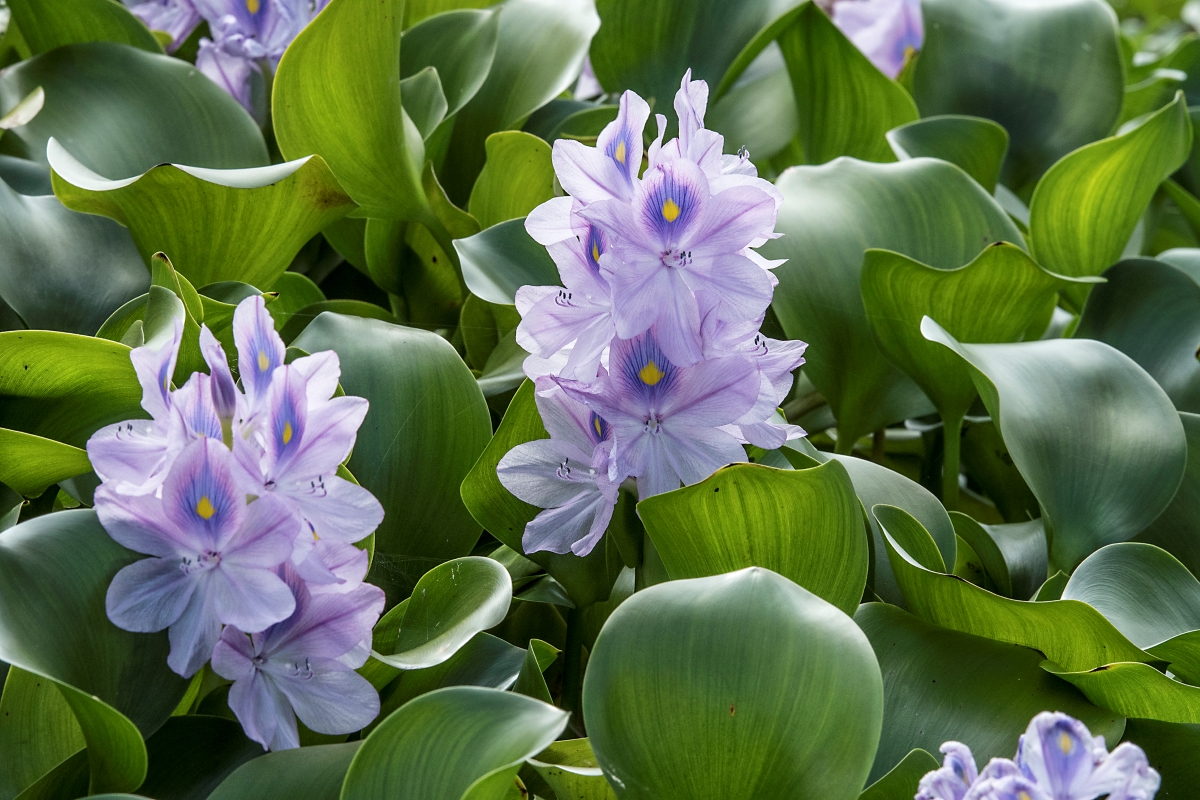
pixel 995 260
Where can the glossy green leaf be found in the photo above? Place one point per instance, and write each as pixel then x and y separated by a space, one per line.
pixel 427 424
pixel 296 292
pixel 315 773
pixel 446 744
pixel 759 110
pixel 1171 748
pixel 1014 555
pixel 500 260
pixel 941 685
pixel 743 685
pixel 1050 73
pixel 361 309
pixel 1101 471
pixel 1177 529
pixel 459 44
pixel 38 730
pixel 1135 690
pixel 24 111
pixel 845 106
pixel 216 225
pixel 588 579
pixel 28 463
pixel 975 144
pixel 1150 311
pixel 60 270
pixel 1087 205
pixel 928 210
pixel 901 781
pixel 64 387
pixel 337 94
pixel 121 111
pixel 517 177
pixel 805 525
pixel 424 101
pixel 540 48
pixel 571 769
pixel 47 24
pixel 191 755
pixel 1066 631
pixel 987 460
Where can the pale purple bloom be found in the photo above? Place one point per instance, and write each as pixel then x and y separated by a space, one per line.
pixel 567 474
pixel 886 31
pixel 303 667
pixel 666 419
pixel 175 17
pixel 260 351
pixel 587 87
pixel 610 169
pixel 214 556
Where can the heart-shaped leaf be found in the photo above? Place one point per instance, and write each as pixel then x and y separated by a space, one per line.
pixel 311 772
pixel 975 144
pixel 517 177
pixel 500 260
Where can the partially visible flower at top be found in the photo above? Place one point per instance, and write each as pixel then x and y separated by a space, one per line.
pixel 303 667
pixel 886 31
pixel 178 18
pixel 587 87
pixel 1057 759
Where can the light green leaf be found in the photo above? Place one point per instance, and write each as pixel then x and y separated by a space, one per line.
pixel 1086 206
pixel 453 743
pixel 517 177
pixel 28 463
pixel 1135 690
pixel 424 101
pixel 928 210
pixel 121 111
pixel 975 144
pixel 314 773
pixel 427 424
pixel 500 260
pixel 37 730
pixel 460 44
pixel 1101 471
pixel 805 524
pixel 1014 555
pixel 296 292
pixel 47 24
pixel 571 769
pixel 216 225
pixel 695 686
pixel 900 783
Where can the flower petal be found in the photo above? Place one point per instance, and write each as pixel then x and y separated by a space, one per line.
pixel 193 635
pixel 333 702
pixel 154 366
pixel 149 595
pixel 249 599
pixel 546 473
pixel 200 496
pixel 260 350
pixel 334 508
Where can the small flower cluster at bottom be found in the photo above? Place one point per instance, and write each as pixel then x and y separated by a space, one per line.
pixel 233 493
pixel 1057 759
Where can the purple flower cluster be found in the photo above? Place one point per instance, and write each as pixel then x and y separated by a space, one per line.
pixel 886 31
pixel 1057 759
pixel 247 34
pixel 648 360
pixel 233 493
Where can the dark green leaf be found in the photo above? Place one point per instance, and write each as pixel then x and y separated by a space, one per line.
pixel 976 144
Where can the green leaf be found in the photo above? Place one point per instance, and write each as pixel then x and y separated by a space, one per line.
pixel 517 177
pixel 337 94
pixel 1087 205
pixel 1135 690
pixel 540 48
pixel 531 681
pixel 60 270
pixel 695 686
pixel 47 24
pixel 975 144
pixel 361 309
pixel 1014 555
pixel 427 424
pixel 37 730
pixel 1150 311
pixel 805 524
pixel 1101 471
pixel 454 742
pixel 424 101
pixel 571 769
pixel 24 111
pixel 900 783
pixel 216 225
pixel 928 210
pixel 28 463
pixel 191 755
pixel 940 685
pixel 54 573
pixel 121 111
pixel 296 292
pixel 460 45
pixel 759 110
pixel 588 579
pixel 1050 73
pixel 845 105
pixel 64 387
pixel 500 260
pixel 314 773
pixel 1177 529
pixel 1067 631
pixel 1171 748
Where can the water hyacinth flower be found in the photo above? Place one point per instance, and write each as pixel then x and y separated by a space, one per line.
pixel 303 667
pixel 886 31
pixel 1057 759
pixel 177 18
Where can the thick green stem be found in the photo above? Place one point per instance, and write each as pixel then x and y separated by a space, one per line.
pixel 951 445
pixel 572 692
pixel 844 445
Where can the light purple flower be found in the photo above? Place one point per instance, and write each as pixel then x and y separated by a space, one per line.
pixel 587 87
pixel 303 667
pixel 610 169
pixel 666 419
pixel 214 556
pixel 955 777
pixel 886 31
pixel 175 17
pixel 567 474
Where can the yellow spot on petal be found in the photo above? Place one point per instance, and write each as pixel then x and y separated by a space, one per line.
pixel 252 6
pixel 596 425
pixel 205 508
pixel 595 252
pixel 263 361
pixel 315 537
pixel 1064 743
pixel 1024 795
pixel 287 432
pixel 670 211
pixel 620 154
pixel 650 374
